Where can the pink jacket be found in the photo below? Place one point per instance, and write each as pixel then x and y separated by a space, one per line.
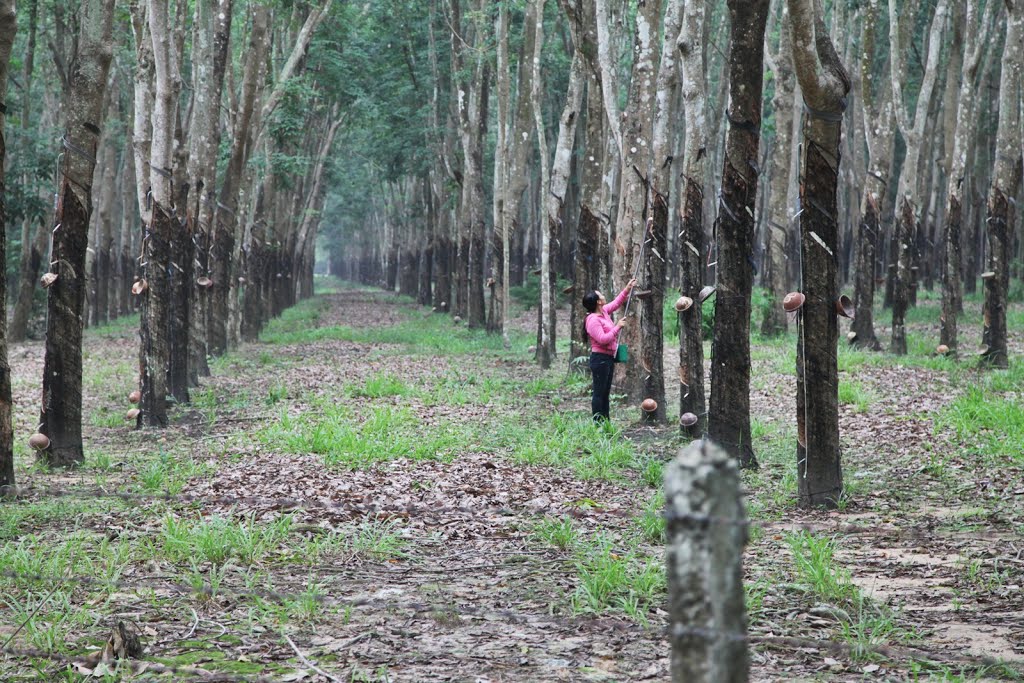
pixel 604 335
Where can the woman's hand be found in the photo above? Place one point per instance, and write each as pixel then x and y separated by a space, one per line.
pixel 631 284
pixel 621 323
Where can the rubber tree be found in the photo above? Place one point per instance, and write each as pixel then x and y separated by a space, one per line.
pixel 589 225
pixel 907 218
pixel 824 84
pixel 631 229
pixel 211 33
pixel 157 269
pixel 729 414
pixel 692 47
pixel 1006 174
pixel 555 183
pixel 8 27
pixel 61 414
pixel 777 230
pixel 971 40
pixel 880 129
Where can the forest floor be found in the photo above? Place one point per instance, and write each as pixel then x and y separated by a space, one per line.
pixel 371 493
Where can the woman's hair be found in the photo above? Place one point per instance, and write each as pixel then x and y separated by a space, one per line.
pixel 590 300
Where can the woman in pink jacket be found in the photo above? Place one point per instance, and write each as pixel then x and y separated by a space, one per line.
pixel 604 340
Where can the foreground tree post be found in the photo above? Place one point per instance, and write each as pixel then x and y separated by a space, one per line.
pixel 705 532
pixel 8 26
pixel 61 415
pixel 824 84
pixel 729 417
pixel 1005 179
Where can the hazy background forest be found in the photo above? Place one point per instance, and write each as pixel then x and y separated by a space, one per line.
pixel 292 369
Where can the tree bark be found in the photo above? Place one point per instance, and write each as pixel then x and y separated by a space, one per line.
pixel 211 38
pixel 905 232
pixel 1006 174
pixel 692 48
pixel 589 227
pixel 729 416
pixel 774 320
pixel 224 268
pixel 635 200
pixel 824 84
pixel 971 43
pixel 8 27
pixel 880 126
pixel 61 414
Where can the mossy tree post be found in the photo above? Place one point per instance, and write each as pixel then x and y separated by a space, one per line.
pixel 729 416
pixel 824 84
pixel 8 27
pixel 61 415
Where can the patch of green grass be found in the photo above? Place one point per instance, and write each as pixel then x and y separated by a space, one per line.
pixel 593 451
pixel 992 425
pixel 855 394
pixel 275 394
pixel 124 327
pixel 623 581
pixel 434 335
pixel 382 384
pixel 169 472
pixel 345 438
pixel 377 540
pixel 816 566
pixel 652 520
pixel 216 539
pixel 557 533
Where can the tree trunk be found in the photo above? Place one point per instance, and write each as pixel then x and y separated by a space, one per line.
pixel 905 232
pixel 33 254
pixel 211 37
pixel 778 230
pixel 880 129
pixel 1006 174
pixel 729 417
pixel 824 84
pixel 589 227
pixel 972 45
pixel 225 269
pixel 8 26
pixel 692 48
pixel 634 208
pixel 61 414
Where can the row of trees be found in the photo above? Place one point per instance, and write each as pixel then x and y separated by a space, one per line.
pixel 193 156
pixel 722 126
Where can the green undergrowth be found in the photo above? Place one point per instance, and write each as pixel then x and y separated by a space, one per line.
pixel 568 439
pixel 862 624
pixel 347 438
pixel 990 425
pixel 610 575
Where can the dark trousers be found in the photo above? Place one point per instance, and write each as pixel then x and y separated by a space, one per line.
pixel 602 367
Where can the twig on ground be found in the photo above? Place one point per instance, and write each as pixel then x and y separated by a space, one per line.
pixel 308 663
